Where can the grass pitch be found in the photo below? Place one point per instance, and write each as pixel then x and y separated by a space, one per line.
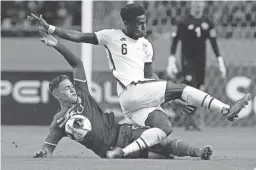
pixel 234 148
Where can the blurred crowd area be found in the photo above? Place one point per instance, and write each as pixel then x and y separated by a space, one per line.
pixel 232 18
pixel 223 13
pixel 61 13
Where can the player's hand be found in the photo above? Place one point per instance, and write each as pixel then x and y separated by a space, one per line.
pixel 40 154
pixel 48 39
pixel 185 107
pixel 172 69
pixel 222 67
pixel 41 24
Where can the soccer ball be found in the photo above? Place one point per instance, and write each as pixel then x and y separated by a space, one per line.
pixel 77 127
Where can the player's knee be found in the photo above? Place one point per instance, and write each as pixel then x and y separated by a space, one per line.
pixel 160 120
pixel 167 129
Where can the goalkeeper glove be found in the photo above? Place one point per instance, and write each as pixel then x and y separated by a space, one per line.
pixel 172 69
pixel 222 67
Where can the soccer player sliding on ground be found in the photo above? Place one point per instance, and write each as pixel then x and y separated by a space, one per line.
pixel 104 132
pixel 130 56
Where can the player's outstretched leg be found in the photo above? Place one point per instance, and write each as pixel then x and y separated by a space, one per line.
pixel 147 139
pixel 199 98
pixel 180 148
pixel 159 119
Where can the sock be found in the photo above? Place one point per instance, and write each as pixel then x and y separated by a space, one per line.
pixel 148 138
pixel 199 98
pixel 181 148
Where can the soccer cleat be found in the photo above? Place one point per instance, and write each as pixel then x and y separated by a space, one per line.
pixel 115 153
pixel 237 107
pixel 206 152
pixel 40 154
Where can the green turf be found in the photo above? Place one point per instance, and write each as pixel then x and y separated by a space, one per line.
pixel 234 148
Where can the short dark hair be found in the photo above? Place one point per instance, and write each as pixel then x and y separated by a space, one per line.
pixel 56 81
pixel 131 11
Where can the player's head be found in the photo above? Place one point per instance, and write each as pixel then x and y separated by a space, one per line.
pixel 197 8
pixel 63 89
pixel 133 16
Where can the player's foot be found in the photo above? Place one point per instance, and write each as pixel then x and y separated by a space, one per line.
pixel 206 152
pixel 237 107
pixel 115 153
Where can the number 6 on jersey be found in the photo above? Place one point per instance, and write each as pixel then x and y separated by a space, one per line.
pixel 124 49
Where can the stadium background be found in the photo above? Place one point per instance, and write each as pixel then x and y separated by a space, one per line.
pixel 27 65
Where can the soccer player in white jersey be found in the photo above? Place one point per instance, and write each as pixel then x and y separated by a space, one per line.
pixel 130 58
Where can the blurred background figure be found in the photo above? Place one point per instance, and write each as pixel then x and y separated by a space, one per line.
pixel 193 30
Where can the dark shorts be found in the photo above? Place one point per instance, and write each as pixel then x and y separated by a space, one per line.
pixel 193 71
pixel 129 133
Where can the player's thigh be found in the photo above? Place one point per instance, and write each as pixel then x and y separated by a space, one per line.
pixel 139 116
pixel 159 119
pixel 143 94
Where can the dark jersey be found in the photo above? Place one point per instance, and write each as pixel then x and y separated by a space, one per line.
pixel 192 33
pixel 104 131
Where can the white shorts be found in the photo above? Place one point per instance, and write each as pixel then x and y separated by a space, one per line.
pixel 143 94
pixel 140 116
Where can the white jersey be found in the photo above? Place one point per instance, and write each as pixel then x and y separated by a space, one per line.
pixel 126 56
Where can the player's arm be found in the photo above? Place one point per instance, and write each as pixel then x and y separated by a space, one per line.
pixel 172 69
pixel 54 136
pixel 75 62
pixel 149 65
pixel 73 35
pixel 68 34
pixel 97 38
pixel 149 71
pixel 176 38
pixel 212 35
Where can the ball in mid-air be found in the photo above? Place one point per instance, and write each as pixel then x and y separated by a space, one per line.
pixel 77 127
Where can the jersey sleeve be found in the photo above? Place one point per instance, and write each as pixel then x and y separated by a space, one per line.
pixel 178 30
pixel 82 91
pixel 81 86
pixel 212 31
pixel 80 80
pixel 149 52
pixel 79 73
pixel 176 37
pixel 104 36
pixel 212 35
pixel 54 136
